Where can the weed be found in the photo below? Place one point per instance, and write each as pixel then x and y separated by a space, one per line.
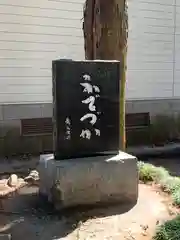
pixel 149 173
pixel 170 230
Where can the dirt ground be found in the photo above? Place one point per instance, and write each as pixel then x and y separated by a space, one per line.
pixel 24 215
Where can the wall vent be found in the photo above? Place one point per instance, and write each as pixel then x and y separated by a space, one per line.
pixel 36 126
pixel 137 120
pixel 44 126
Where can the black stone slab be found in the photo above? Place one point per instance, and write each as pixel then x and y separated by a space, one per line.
pixel 80 88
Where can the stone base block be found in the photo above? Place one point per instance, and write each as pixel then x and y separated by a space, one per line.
pixel 87 181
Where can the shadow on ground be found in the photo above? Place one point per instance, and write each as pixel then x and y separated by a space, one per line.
pixel 27 216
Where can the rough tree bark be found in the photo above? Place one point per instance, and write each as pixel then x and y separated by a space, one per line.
pixel 105 29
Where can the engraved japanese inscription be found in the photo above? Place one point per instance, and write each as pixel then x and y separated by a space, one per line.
pixel 86 108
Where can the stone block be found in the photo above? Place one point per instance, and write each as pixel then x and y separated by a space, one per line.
pixel 89 181
pixel 21 111
pixel 81 130
pixel 47 110
pixel 10 128
pixel 5 237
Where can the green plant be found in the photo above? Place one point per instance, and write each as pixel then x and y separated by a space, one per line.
pixel 176 197
pixel 148 172
pixel 170 184
pixel 170 230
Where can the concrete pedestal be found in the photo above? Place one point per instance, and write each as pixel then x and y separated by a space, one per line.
pixel 87 181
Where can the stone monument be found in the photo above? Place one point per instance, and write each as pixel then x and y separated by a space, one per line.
pixel 86 166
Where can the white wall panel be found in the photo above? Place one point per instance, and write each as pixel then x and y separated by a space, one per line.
pixel 176 85
pixel 33 33
pixel 150 49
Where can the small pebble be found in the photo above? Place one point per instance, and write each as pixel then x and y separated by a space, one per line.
pixel 12 180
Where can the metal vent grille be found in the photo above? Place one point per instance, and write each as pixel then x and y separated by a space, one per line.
pixel 135 120
pixel 138 129
pixel 36 126
pixel 44 126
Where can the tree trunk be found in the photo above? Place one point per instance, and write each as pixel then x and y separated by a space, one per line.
pixel 105 29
